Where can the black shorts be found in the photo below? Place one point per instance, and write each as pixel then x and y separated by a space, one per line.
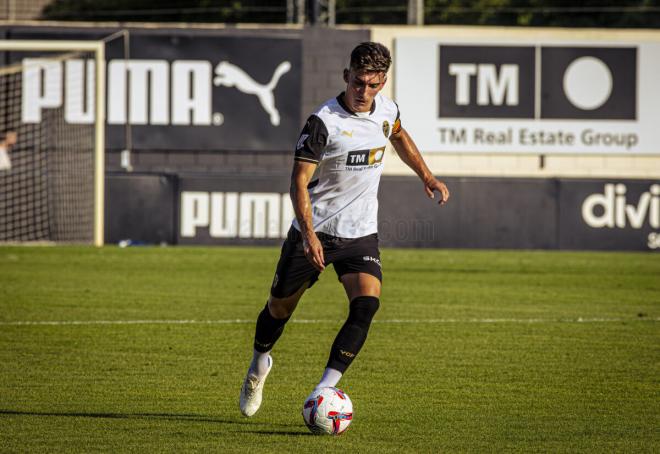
pixel 348 255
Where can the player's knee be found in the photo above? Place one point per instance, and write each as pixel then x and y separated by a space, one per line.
pixel 281 307
pixel 363 309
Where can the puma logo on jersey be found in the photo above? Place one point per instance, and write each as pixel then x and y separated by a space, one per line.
pixel 365 157
pixel 347 134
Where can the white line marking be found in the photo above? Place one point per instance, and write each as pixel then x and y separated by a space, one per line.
pixel 238 321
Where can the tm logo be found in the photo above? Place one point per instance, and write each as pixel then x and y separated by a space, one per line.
pixel 140 92
pixel 548 82
pixel 491 87
pixel 365 157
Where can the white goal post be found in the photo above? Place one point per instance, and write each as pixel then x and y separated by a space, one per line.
pixel 74 141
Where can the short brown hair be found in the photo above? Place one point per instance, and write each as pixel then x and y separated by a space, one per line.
pixel 372 57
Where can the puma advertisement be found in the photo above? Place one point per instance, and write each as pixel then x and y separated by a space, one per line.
pixel 519 213
pixel 176 90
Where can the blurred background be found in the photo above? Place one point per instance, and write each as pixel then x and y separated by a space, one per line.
pixel 541 116
pixel 534 13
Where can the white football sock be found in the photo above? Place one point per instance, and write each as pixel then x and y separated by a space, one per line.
pixel 260 364
pixel 330 378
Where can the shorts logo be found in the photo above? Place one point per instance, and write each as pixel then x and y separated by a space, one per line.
pixel 368 258
pixel 386 128
pixel 365 157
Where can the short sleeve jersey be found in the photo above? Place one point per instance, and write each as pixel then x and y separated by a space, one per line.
pixel 349 148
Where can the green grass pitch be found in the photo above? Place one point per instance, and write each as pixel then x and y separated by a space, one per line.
pixel 472 351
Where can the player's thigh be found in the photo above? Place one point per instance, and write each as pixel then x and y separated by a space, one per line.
pixel 284 307
pixel 360 284
pixel 294 275
pixel 358 267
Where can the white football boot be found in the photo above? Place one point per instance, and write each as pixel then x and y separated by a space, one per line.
pixel 252 390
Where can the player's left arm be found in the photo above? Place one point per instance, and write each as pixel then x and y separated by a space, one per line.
pixel 409 153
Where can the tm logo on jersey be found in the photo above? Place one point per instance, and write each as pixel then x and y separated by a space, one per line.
pixel 365 157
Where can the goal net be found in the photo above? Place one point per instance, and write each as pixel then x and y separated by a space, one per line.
pixel 51 141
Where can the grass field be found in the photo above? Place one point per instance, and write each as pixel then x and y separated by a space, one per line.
pixel 471 351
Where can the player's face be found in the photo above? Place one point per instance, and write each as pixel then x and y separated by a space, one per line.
pixel 361 87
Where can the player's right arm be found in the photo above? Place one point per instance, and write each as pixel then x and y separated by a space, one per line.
pixel 302 205
pixel 309 151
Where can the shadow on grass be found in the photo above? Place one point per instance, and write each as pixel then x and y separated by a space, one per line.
pixel 160 416
pixel 278 432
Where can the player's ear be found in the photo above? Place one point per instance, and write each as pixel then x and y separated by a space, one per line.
pixel 345 75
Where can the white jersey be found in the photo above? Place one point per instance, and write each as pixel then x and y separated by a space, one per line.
pixel 5 162
pixel 349 148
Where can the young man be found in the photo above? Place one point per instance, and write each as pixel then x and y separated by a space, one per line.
pixel 334 185
pixel 5 145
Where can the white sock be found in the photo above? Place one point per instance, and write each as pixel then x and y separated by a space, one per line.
pixel 260 363
pixel 330 378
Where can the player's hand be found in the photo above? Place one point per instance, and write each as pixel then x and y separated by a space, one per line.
pixel 432 185
pixel 314 251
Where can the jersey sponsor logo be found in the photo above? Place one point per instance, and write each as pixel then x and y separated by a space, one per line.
pixel 386 128
pixel 347 133
pixel 365 157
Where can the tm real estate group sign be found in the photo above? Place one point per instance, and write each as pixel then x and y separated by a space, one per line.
pixel 541 97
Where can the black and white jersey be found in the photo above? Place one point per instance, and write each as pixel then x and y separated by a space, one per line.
pixel 349 148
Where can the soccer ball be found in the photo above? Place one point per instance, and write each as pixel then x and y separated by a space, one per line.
pixel 328 411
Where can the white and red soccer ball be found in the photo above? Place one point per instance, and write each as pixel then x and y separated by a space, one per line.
pixel 328 411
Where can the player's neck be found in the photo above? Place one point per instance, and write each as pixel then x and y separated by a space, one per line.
pixel 343 99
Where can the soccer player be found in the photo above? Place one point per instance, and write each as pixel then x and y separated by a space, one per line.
pixel 337 167
pixel 5 145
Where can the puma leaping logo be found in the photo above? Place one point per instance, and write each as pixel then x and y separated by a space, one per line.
pixel 229 75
